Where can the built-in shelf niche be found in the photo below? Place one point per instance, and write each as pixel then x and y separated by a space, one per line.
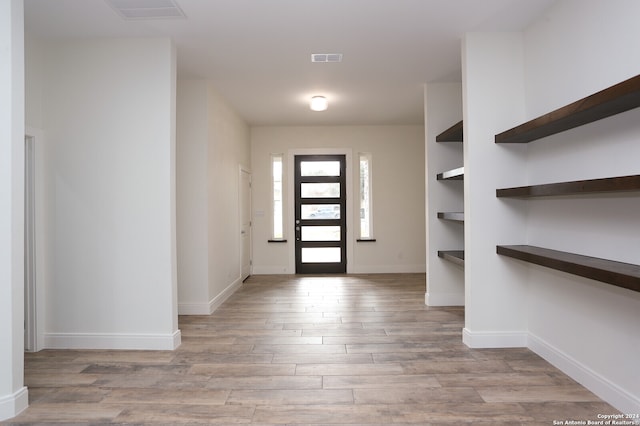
pixel 613 100
pixel 625 275
pixel 452 134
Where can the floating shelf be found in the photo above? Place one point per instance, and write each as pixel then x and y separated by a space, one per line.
pixel 455 174
pixel 454 256
pixel 613 184
pixel 452 216
pixel 625 275
pixel 452 134
pixel 613 100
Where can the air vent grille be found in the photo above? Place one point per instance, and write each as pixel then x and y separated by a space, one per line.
pixel 326 57
pixel 146 9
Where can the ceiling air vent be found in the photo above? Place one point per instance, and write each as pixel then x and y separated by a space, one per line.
pixel 146 9
pixel 326 57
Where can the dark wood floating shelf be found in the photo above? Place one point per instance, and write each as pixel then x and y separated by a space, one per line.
pixel 455 174
pixel 613 184
pixel 455 256
pixel 625 275
pixel 453 216
pixel 452 134
pixel 613 100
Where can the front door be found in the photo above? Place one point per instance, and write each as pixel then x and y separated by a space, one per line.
pixel 320 214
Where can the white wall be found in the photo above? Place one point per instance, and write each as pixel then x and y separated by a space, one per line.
pixel 13 395
pixel 213 143
pixel 34 76
pixel 108 112
pixel 192 182
pixel 445 280
pixel 229 149
pixel 398 194
pixel 493 98
pixel 587 327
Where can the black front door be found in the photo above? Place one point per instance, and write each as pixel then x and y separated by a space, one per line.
pixel 320 216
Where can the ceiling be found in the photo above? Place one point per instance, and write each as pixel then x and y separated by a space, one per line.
pixel 257 53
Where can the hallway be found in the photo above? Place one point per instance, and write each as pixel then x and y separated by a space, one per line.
pixel 287 349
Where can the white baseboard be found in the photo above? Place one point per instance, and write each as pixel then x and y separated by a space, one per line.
pixel 270 270
pixel 444 299
pixel 14 404
pixel 386 269
pixel 209 307
pixel 224 295
pixel 495 339
pixel 355 269
pixel 603 388
pixel 193 309
pixel 112 341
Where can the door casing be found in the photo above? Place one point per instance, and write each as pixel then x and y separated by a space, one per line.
pixel 245 223
pixel 35 295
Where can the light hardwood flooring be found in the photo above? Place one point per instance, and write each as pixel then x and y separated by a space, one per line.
pixel 354 349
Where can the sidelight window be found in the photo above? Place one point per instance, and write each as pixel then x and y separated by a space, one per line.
pixel 366 222
pixel 277 196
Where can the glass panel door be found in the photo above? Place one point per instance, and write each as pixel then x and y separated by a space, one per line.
pixel 320 216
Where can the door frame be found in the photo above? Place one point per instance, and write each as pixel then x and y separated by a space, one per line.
pixel 248 172
pixel 289 216
pixel 35 296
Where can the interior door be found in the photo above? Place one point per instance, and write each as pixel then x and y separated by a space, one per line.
pixel 245 224
pixel 320 214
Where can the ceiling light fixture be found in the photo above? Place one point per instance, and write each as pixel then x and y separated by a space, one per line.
pixel 326 57
pixel 319 103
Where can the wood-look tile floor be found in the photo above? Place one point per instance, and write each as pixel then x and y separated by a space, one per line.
pixel 354 349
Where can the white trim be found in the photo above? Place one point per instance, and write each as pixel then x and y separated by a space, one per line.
pixel 30 265
pixel 112 341
pixel 215 303
pixel 444 299
pixel 495 339
pixel 271 270
pixel 596 383
pixel 354 269
pixel 290 186
pixel 40 234
pixel 14 404
pixel 242 170
pixel 387 269
pixel 194 309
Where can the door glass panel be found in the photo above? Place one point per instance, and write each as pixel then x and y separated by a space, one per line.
pixel 320 254
pixel 320 190
pixel 319 168
pixel 320 233
pixel 320 211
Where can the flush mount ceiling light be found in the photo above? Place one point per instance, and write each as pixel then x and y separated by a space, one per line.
pixel 146 9
pixel 319 103
pixel 326 57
